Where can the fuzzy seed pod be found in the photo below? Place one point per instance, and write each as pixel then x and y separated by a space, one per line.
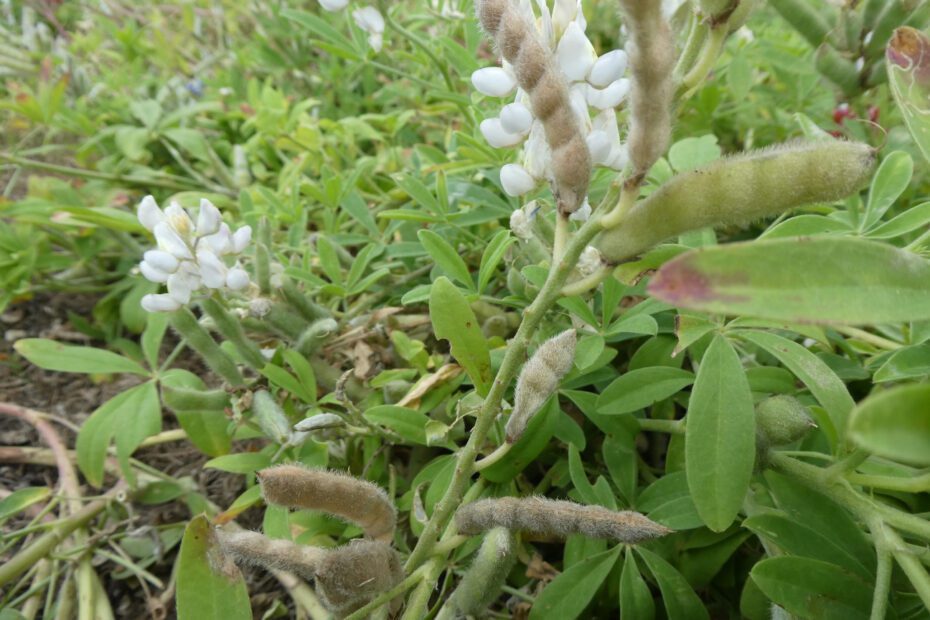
pixel 558 519
pixel 270 417
pixel 316 335
pixel 537 74
pixel 186 399
pixel 805 17
pixel 740 189
pixel 652 58
pixel 200 340
pixel 255 549
pixel 281 319
pixel 482 583
pixel 782 420
pixel 299 302
pixel 350 576
pixel 231 329
pixel 352 499
pixel 539 379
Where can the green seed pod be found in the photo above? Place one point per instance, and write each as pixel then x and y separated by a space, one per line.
pixel 263 268
pixel 319 422
pixel 652 59
pixel 299 302
pixel 782 420
pixel 539 380
pixel 256 550
pixel 316 336
pixel 556 519
pixel 893 15
pixel 515 282
pixel 838 69
pixel 350 498
pixel 852 30
pixel 278 317
pixel 740 15
pixel 350 576
pixel 870 12
pixel 200 340
pixel 231 329
pixel 805 18
pixel 270 417
pixel 184 399
pixel 482 582
pixel 496 326
pixel 740 189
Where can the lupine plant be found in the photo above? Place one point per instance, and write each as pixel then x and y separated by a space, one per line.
pixel 506 334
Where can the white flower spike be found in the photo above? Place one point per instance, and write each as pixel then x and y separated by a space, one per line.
pixel 516 180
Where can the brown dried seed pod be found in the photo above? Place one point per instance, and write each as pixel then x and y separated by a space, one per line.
pixel 350 576
pixel 539 379
pixel 556 519
pixel 255 549
pixel 353 499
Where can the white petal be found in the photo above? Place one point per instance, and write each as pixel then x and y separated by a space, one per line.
pixel 618 158
pixel 148 213
pixel 153 274
pixel 493 82
pixel 179 219
pixel 609 68
pixel 575 54
pixel 369 19
pixel 536 153
pixel 579 104
pixel 563 12
pixel 582 213
pixel 220 242
pixel 520 224
pixel 209 218
pixel 159 303
pixel 334 5
pixel 497 136
pixel 237 279
pixel 516 118
pixel 163 261
pixel 609 97
pixel 516 180
pixel 589 261
pixel 212 269
pixel 169 241
pixel 599 146
pixel 179 288
pixel 241 239
pixel 376 41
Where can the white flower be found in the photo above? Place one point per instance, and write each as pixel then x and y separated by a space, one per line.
pixel 582 213
pixel 599 146
pixel 370 20
pixel 334 5
pixel 516 118
pixel 575 54
pixel 589 261
pixel 563 12
pixel 189 255
pixel 521 224
pixel 493 81
pixel 609 97
pixel 516 180
pixel 497 136
pixel 608 68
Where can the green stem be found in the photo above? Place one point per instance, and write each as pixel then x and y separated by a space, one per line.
pixel 412 580
pixel 878 341
pixel 915 571
pixel 673 427
pixel 419 600
pixel 882 581
pixel 918 484
pixel 511 364
pixel 706 61
pixel 494 457
pixel 848 463
pixel 587 283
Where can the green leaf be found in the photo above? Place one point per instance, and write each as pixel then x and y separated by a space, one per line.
pixel 906 68
pixel 492 256
pixel 823 383
pixel 691 153
pixel 903 223
pixel 568 595
pixel 890 180
pixel 720 436
pixel 668 501
pixel 156 326
pixel 895 424
pixel 642 387
pixel 446 257
pixel 409 424
pixel 241 463
pixel 837 280
pixel 129 418
pixel 635 597
pixel 453 320
pixel 813 589
pixel 285 380
pixel 207 430
pixel 905 363
pixel 21 499
pixel 419 193
pixel 52 355
pixel 681 603
pixel 210 586
pixel 534 440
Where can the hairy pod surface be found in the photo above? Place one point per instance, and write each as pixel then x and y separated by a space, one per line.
pixel 537 74
pixel 353 499
pixel 781 420
pixel 652 59
pixel 255 549
pixel 482 582
pixel 740 189
pixel 539 379
pixel 350 576
pixel 556 519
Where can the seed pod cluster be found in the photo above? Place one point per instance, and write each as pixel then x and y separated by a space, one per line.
pixel 556 519
pixel 537 74
pixel 652 58
pixel 352 499
pixel 740 189
pixel 539 379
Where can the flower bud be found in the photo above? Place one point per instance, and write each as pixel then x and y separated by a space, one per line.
pixel 237 278
pixel 159 303
pixel 352 499
pixel 556 519
pixel 539 379
pixel 241 239
pixel 334 5
pixel 209 218
pixel 782 420
pixel 149 213
pixel 493 82
pixel 516 118
pixel 515 180
pixel 609 97
pixel 498 137
pixel 609 68
pixel 162 261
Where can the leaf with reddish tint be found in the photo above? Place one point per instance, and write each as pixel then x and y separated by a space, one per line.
pixel 821 280
pixel 908 63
